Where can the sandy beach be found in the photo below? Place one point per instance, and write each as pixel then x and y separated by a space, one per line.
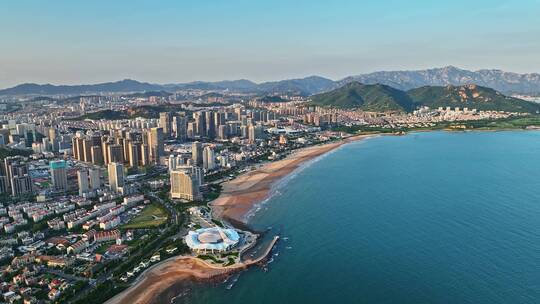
pixel 240 195
pixel 156 282
pixel 163 281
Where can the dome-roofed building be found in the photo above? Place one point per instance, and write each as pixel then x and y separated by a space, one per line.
pixel 212 239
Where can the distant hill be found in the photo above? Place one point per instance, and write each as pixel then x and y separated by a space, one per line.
pixel 471 96
pixel 148 94
pixel 502 81
pixel 304 86
pixel 383 98
pixel 241 85
pixel 126 85
pixel 367 97
pixel 271 99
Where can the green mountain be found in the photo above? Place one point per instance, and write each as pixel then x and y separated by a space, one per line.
pixel 471 96
pixel 367 97
pixel 271 99
pixel 383 98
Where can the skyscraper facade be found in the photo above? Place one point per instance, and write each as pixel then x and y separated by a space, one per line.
pixel 116 176
pixel 184 185
pixel 197 153
pixel 58 169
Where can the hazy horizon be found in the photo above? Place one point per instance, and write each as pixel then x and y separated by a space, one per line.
pixel 257 82
pixel 65 42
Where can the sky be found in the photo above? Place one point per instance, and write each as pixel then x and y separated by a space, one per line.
pixel 73 42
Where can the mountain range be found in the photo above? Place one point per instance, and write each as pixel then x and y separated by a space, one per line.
pixel 502 81
pixel 384 98
pixel 304 86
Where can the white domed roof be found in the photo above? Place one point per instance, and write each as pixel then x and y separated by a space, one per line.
pixel 210 237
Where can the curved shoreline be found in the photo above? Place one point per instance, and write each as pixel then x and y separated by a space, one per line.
pixel 157 280
pixel 241 196
pixel 238 199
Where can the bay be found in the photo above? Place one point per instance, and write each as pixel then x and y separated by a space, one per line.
pixel 435 217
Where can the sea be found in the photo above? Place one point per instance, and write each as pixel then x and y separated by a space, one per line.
pixel 433 217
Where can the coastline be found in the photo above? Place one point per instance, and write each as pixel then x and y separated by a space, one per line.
pixel 161 283
pixel 239 198
pixel 155 283
pixel 243 194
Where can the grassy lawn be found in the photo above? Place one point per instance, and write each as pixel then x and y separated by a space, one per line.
pixel 152 216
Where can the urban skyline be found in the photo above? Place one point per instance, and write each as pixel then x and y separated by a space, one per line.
pixel 351 157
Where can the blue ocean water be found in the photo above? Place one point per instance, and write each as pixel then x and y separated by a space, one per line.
pixel 424 218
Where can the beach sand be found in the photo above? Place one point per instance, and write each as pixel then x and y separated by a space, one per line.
pixel 157 283
pixel 240 195
pixel 165 280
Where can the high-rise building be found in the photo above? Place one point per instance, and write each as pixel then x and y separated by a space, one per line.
pixel 77 148
pixel 223 132
pixel 254 133
pixel 156 144
pixel 87 150
pixel 52 134
pixel 210 125
pixel 191 130
pixel 165 123
pixel 219 119
pixel 45 144
pixel 97 155
pixel 116 176
pixel 200 123
pixel 172 162
pixel 184 185
pixel 82 181
pixel 105 149
pixel 145 155
pixel 125 148
pixel 115 153
pixel 198 174
pixel 238 112
pixel 133 149
pixel 208 158
pixel 197 153
pixel 17 178
pixel 244 131
pixel 58 170
pixel 94 179
pixel 180 126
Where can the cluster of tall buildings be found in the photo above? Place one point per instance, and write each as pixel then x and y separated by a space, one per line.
pixel 88 180
pixel 187 174
pixel 132 147
pixel 14 176
pixel 320 119
pixel 118 144
pixel 222 124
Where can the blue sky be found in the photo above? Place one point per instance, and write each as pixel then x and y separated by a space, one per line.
pixel 72 42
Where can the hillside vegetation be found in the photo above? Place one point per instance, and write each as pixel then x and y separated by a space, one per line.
pixel 383 98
